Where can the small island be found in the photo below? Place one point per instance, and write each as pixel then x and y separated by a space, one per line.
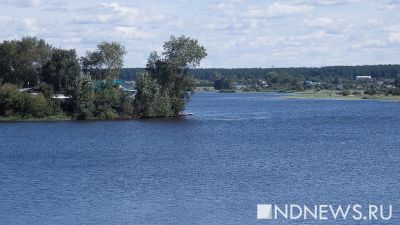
pixel 40 82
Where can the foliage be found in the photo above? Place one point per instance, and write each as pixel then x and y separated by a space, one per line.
pixel 346 92
pixel 107 101
pixel 397 81
pixel 150 100
pixel 23 105
pixel 170 78
pixel 105 62
pixel 62 71
pixel 21 62
pixel 83 105
pixel 222 83
pixel 370 91
pixel 46 90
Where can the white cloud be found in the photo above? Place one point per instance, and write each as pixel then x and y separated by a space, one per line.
pixel 278 9
pixel 330 2
pixel 30 26
pixel 371 43
pixel 319 22
pixel 21 3
pixel 5 20
pixel 394 33
pixel 394 37
pixel 129 33
pixel 390 5
pixel 93 19
pixel 130 12
pixel 375 22
pixel 226 7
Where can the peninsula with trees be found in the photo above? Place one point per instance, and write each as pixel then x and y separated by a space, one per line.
pixel 39 81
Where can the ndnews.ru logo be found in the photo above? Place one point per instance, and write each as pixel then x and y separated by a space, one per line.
pixel 324 212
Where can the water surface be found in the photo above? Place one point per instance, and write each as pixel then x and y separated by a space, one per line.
pixel 237 151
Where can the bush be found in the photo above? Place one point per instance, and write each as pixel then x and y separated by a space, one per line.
pixel 125 109
pixel 24 105
pixel 47 90
pixel 346 93
pixel 8 94
pixel 370 91
pixel 150 101
pixel 107 101
pixel 83 97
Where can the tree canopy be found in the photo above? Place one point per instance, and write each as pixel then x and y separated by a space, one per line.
pixel 21 61
pixel 62 71
pixel 105 62
pixel 170 70
pixel 89 84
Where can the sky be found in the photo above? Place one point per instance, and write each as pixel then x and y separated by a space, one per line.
pixel 236 33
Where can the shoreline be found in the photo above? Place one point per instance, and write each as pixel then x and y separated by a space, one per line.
pixel 71 119
pixel 334 95
pixel 322 95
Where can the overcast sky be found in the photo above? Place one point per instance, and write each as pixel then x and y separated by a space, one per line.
pixel 236 33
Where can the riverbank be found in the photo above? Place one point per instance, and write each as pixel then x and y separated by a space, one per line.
pixel 324 94
pixel 32 119
pixel 330 94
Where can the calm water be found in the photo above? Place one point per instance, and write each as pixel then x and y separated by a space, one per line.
pixel 239 150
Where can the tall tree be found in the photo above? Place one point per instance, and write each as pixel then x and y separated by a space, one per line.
pixel 21 62
pixel 62 71
pixel 171 70
pixel 397 81
pixel 105 62
pixel 83 97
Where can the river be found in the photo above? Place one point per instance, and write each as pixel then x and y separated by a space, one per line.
pixel 236 151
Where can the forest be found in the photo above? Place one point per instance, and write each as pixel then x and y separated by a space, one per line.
pixel 327 74
pixel 385 79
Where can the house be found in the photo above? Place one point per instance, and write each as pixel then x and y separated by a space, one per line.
pixel 60 97
pixel 31 91
pixel 121 84
pixel 311 83
pixel 363 78
pixel 125 87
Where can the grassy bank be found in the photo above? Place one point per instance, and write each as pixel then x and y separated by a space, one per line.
pixel 60 117
pixel 330 94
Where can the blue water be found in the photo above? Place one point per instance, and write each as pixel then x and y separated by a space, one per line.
pixel 237 151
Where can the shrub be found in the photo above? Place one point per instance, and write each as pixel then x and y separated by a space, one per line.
pixel 346 93
pixel 14 103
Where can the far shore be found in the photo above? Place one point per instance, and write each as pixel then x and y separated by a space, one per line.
pixel 330 94
pixel 311 94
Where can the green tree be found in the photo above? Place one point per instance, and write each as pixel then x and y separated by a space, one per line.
pixel 47 90
pixel 171 70
pixel 62 71
pixel 150 101
pixel 8 95
pixel 222 83
pixel 107 101
pixel 83 97
pixel 105 62
pixel 22 61
pixel 397 81
pixel 23 105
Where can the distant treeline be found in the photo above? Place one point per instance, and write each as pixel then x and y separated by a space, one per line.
pixel 328 73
